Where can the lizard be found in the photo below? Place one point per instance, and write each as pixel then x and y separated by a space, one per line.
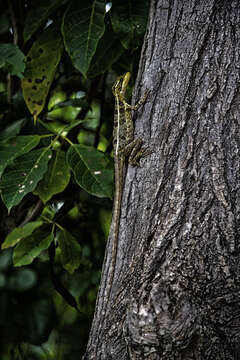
pixel 126 149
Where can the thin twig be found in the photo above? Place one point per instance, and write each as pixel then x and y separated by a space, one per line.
pixel 15 41
pixel 33 214
pixel 14 23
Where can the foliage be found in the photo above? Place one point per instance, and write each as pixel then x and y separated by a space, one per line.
pixel 58 61
pixel 11 59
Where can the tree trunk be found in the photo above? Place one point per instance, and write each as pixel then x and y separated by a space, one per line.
pixel 176 291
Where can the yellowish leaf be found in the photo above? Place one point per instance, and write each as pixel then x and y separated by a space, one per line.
pixel 41 63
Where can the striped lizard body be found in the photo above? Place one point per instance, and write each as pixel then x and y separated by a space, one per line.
pixel 126 148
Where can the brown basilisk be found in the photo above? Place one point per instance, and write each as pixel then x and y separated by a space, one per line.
pixel 126 148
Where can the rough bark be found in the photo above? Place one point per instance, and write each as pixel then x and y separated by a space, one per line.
pixel 176 292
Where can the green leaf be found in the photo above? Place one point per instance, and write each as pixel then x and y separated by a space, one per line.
pixel 93 170
pixel 22 177
pixel 103 59
pixel 41 63
pixel 12 59
pixel 12 129
pixel 19 233
pixel 38 14
pixel 80 103
pixel 55 179
pixel 75 123
pixel 129 20
pixel 30 247
pixel 16 147
pixel 51 126
pixel 70 251
pixel 83 26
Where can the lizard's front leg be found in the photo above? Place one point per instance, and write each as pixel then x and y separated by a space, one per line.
pixel 139 103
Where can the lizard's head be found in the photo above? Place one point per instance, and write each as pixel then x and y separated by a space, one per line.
pixel 121 84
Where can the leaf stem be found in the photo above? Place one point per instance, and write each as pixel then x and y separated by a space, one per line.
pixel 51 222
pixel 66 139
pixel 46 135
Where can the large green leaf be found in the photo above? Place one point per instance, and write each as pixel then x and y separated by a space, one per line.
pixel 109 49
pixel 41 63
pixel 11 59
pixel 55 179
pixel 22 177
pixel 129 19
pixel 19 233
pixel 38 14
pixel 93 170
pixel 12 129
pixel 30 247
pixel 70 251
pixel 16 147
pixel 83 26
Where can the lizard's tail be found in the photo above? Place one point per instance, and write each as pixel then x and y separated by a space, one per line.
pixel 119 179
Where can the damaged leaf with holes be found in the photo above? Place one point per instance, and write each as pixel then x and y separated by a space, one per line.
pixel 21 177
pixel 41 63
pixel 15 147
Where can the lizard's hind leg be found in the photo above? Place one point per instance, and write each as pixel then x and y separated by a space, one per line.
pixel 134 151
